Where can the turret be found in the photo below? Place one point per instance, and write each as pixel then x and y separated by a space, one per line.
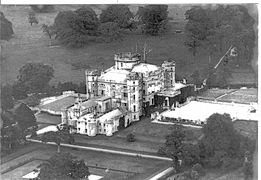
pixel 169 73
pixel 126 60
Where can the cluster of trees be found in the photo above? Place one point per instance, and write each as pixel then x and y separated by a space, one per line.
pixel 33 80
pixel 63 166
pixel 221 146
pixel 215 30
pixel 82 26
pixel 16 124
pixel 6 28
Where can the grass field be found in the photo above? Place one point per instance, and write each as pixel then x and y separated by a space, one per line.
pixel 31 45
pixel 120 167
pixel 242 96
pixel 249 95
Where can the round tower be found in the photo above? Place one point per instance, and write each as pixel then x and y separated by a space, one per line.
pixel 134 85
pixel 91 83
pixel 126 60
pixel 169 73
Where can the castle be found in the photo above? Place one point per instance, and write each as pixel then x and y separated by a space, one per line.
pixel 118 96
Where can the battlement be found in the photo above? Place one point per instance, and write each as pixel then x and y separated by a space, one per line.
pixel 168 63
pixel 93 72
pixel 127 57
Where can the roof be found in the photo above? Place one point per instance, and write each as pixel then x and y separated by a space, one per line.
pixel 196 110
pixel 110 115
pixel 173 91
pixel 102 98
pixel 59 104
pixel 47 129
pixel 89 103
pixel 145 68
pixel 115 75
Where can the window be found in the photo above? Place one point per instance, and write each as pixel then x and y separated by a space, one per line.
pixel 134 108
pixel 85 130
pixel 134 117
pixel 152 101
pixel 133 88
pixel 85 124
pixel 134 97
pixel 133 82
pixel 121 64
pixel 102 92
pixel 144 91
pixel 79 129
pixel 125 95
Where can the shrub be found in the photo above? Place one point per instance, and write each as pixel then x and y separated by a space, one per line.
pixel 198 168
pixel 162 150
pixel 131 137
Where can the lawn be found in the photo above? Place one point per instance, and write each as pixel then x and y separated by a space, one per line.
pixel 242 96
pixel 214 93
pixel 31 45
pixel 120 167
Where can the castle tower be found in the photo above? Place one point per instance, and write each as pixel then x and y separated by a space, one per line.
pixel 134 84
pixel 126 60
pixel 91 83
pixel 169 73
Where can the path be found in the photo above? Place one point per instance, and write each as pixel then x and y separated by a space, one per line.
pixel 107 150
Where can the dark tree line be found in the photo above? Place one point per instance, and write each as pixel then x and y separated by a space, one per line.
pixel 82 26
pixel 215 30
pixel 221 146
pixel 6 28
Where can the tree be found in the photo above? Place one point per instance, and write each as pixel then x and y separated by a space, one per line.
pixel 154 18
pixel 76 28
pixel 6 28
pixel 48 30
pixel 25 118
pixel 62 135
pixel 11 137
pixel 131 137
pixel 19 90
pixel 7 101
pixel 173 144
pixel 32 18
pixel 35 76
pixel 119 14
pixel 110 31
pixel 63 166
pixel 196 78
pixel 219 134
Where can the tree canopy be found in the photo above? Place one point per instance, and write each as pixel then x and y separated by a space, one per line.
pixel 76 28
pixel 154 18
pixel 119 14
pixel 63 166
pixel 58 137
pixel 6 28
pixel 35 76
pixel 25 117
pixel 7 101
pixel 216 29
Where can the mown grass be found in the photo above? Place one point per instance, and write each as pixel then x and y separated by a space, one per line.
pixel 31 45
